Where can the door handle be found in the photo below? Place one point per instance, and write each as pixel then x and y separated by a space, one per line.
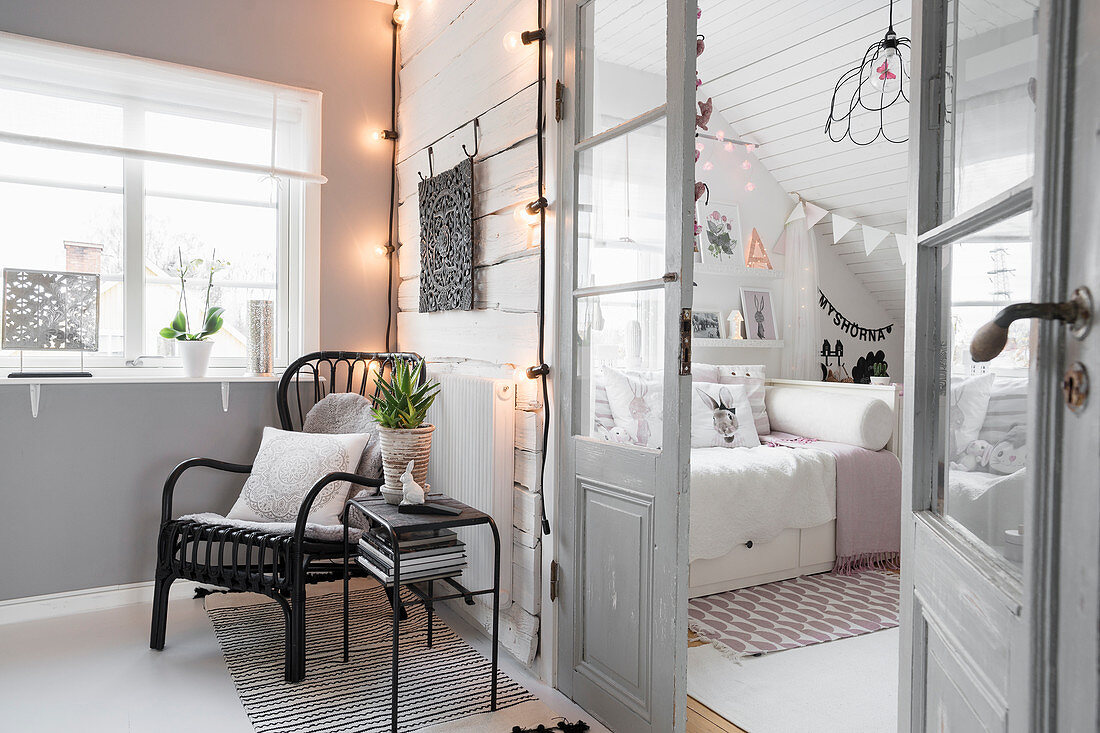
pixel 990 339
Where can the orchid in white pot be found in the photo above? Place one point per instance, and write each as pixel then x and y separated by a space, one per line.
pixel 194 344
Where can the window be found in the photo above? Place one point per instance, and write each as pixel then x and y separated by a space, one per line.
pixel 120 166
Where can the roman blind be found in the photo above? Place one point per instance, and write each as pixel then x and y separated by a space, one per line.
pixel 63 97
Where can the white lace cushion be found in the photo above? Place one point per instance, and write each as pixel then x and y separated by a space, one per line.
pixel 287 466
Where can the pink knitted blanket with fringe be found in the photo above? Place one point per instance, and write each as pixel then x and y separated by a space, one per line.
pixel 868 504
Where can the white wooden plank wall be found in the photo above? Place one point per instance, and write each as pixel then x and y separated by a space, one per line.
pixel 454 67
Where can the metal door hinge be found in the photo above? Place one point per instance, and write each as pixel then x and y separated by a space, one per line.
pixel 559 101
pixel 685 342
pixel 555 572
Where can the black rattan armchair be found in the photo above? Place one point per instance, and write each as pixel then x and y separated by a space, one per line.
pixel 276 565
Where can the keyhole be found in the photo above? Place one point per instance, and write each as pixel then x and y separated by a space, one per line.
pixel 1075 387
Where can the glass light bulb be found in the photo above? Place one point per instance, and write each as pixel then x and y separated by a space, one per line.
pixel 376 135
pixel 513 41
pixel 400 16
pixel 523 216
pixel 380 251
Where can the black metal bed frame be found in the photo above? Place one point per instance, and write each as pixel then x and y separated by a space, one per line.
pixel 278 566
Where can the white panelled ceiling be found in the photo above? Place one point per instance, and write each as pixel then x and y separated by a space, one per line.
pixel 771 66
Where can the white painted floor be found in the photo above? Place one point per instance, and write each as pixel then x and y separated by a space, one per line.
pixel 843 686
pixel 94 672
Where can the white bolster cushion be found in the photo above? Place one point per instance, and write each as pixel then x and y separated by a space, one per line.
pixel 839 418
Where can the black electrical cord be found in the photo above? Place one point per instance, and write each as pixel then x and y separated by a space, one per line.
pixel 540 134
pixel 391 251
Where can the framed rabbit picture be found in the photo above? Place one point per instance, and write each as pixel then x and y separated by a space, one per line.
pixel 759 314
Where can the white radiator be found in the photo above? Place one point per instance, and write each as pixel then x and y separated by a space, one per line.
pixel 473 461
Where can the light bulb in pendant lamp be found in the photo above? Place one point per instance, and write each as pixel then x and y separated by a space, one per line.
pixel 750 186
pixel 400 15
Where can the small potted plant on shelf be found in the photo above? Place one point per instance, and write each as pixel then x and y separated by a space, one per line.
pixel 879 375
pixel 400 409
pixel 194 344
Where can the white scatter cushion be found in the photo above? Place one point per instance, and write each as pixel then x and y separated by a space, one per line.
pixel 637 402
pixel 969 401
pixel 1006 413
pixel 704 372
pixel 752 378
pixel 287 466
pixel 721 417
pixel 348 412
pixel 838 418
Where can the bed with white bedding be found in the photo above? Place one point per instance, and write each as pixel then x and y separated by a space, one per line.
pixel 788 477
pixel 796 504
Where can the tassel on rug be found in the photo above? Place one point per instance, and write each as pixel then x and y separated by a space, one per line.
pixel 852 564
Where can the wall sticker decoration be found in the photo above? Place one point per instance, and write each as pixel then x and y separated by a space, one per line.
pixel 447 239
pixel 849 326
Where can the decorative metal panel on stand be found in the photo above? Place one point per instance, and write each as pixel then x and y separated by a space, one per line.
pixel 50 311
pixel 446 239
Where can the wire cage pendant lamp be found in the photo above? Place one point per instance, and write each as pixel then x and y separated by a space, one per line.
pixel 867 90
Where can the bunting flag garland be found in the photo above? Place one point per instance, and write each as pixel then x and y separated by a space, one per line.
pixel 872 238
pixel 852 328
pixel 814 214
pixel 798 212
pixel 903 247
pixel 841 227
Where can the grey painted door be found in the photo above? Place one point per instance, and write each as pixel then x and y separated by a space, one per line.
pixel 1000 548
pixel 625 279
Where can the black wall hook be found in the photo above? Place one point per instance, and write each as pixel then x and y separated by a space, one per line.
pixel 477 141
pixel 431 165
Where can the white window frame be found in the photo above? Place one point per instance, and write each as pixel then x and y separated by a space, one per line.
pixel 297 283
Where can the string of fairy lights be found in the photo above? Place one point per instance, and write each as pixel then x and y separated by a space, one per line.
pixel 531 213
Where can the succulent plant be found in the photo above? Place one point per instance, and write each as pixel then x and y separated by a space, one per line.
pixel 402 402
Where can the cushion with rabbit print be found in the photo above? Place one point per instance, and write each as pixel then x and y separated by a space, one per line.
pixel 721 416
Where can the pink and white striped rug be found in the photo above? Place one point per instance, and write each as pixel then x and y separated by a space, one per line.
pixel 798 612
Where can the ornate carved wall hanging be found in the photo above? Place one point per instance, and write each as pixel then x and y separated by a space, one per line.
pixel 446 239
pixel 56 311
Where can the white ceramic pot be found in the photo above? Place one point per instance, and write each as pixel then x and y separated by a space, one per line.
pixel 196 357
pixel 401 446
pixel 880 380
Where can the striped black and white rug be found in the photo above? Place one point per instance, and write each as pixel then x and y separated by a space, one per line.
pixel 448 682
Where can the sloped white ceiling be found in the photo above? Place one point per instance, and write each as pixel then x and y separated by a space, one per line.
pixel 771 66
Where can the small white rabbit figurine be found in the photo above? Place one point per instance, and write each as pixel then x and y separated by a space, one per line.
pixel 413 493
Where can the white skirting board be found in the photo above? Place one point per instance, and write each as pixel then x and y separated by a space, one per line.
pixel 52 605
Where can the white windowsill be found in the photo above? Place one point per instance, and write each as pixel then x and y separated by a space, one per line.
pixel 139 375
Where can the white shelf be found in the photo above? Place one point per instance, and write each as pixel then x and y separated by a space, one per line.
pixel 735 344
pixel 736 270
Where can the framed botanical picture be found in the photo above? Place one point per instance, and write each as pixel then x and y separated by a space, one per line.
pixel 720 233
pixel 759 314
pixel 706 324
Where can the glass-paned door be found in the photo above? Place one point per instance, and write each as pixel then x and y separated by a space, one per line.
pixel 626 227
pixel 983 387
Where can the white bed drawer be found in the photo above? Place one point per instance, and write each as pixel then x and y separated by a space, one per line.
pixel 818 544
pixel 763 557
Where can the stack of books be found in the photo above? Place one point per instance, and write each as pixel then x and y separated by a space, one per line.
pixel 426 555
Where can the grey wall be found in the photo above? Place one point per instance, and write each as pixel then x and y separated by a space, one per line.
pixel 80 485
pixel 340 47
